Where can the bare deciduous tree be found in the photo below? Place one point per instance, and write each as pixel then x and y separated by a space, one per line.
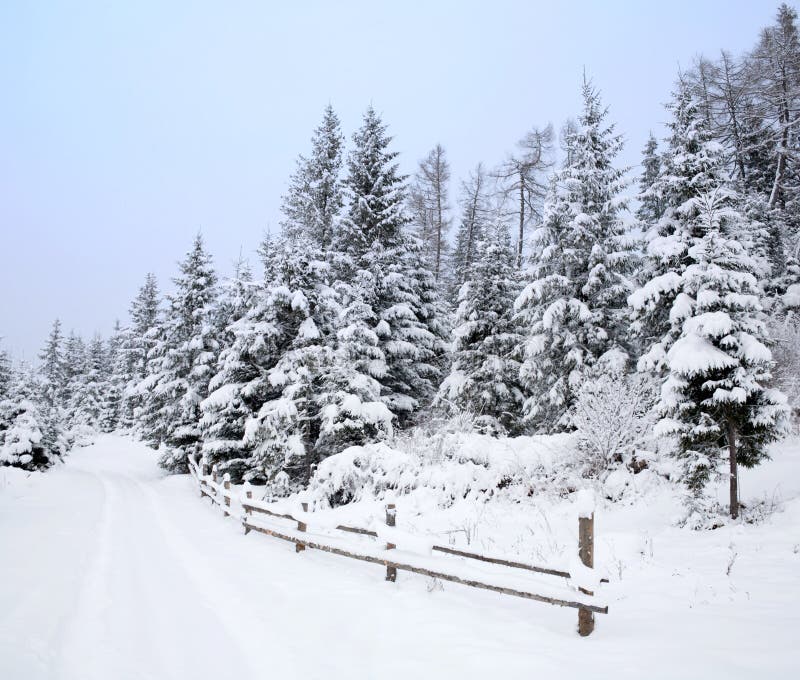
pixel 522 176
pixel 429 205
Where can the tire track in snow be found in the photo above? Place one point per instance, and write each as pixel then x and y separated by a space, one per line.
pixel 246 630
pixel 79 660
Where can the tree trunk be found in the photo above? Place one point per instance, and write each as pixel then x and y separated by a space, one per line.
pixel 439 235
pixel 734 473
pixel 780 170
pixel 521 219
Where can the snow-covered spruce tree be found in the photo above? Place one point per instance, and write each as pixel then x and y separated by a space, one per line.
pixel 115 378
pixel 22 440
pixel 354 412
pixel 572 307
pixel 474 204
pixel 225 411
pixel 650 203
pixel 379 265
pixel 6 382
pixel 693 164
pixel 715 400
pixel 285 432
pixel 75 369
pixel 484 376
pixel 94 386
pixel 139 339
pixel 50 396
pixel 315 196
pixel 180 364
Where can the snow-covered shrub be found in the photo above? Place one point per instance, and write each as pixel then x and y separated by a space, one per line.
pixel 785 335
pixel 22 441
pixel 454 466
pixel 614 416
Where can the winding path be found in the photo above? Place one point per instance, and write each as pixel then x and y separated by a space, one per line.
pixel 109 570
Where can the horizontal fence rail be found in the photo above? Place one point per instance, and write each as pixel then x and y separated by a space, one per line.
pixel 219 491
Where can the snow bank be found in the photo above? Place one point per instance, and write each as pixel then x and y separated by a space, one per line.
pixel 454 466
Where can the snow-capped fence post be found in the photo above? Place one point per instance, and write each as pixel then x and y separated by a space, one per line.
pixel 248 494
pixel 301 526
pixel 204 467
pixel 586 554
pixel 226 483
pixel 391 520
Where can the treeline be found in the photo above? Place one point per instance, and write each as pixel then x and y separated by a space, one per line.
pixel 554 296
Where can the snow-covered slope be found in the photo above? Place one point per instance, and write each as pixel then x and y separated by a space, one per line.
pixel 110 570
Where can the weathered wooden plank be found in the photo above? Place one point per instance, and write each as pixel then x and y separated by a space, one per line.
pixel 497 560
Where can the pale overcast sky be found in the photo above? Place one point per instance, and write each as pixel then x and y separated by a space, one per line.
pixel 127 126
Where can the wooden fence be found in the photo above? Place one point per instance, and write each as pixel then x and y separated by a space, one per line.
pixel 219 491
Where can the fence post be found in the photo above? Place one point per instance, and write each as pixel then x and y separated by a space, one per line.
pixel 301 526
pixel 586 554
pixel 203 467
pixel 248 494
pixel 391 520
pixel 226 483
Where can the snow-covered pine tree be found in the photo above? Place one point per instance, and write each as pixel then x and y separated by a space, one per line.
pixel 116 375
pixel 6 374
pixel 22 439
pixel 573 305
pixel 474 204
pixel 379 266
pixel 650 204
pixel 285 432
pixel 716 400
pixel 138 341
pixel 484 376
pixel 94 387
pixel 241 385
pixel 50 397
pixel 315 196
pixel 75 368
pixel 180 364
pixel 693 164
pixel 6 382
pixel 225 411
pixel 354 412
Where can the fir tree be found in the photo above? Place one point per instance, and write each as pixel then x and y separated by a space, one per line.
pixel 693 165
pixel 137 343
pixel 22 439
pixel 116 376
pixel 315 197
pixel 180 364
pixel 51 386
pixel 484 376
pixel 75 369
pixel 286 430
pixel 715 399
pixel 651 207
pixel 573 306
pixel 94 386
pixel 381 275
pixel 225 410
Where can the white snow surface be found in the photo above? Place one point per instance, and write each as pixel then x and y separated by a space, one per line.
pixel 109 569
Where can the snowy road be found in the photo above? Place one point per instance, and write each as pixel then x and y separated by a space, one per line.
pixel 109 570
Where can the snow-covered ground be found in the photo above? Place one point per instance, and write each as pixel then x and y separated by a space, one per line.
pixel 108 569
